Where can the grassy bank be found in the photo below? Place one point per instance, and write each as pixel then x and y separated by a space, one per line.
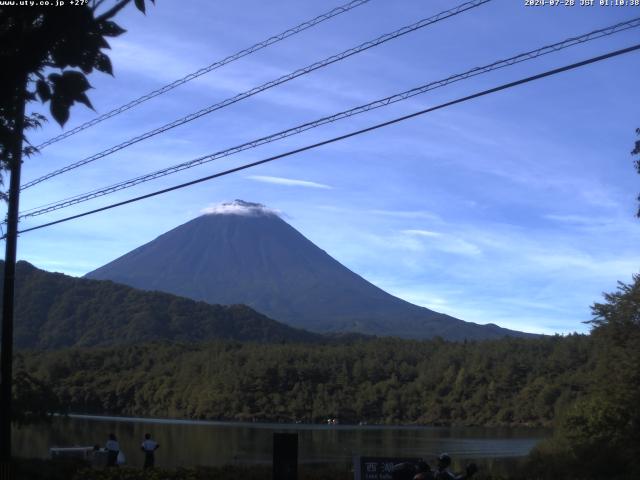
pixel 548 461
pixel 32 469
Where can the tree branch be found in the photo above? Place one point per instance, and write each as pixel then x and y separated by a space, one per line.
pixel 96 4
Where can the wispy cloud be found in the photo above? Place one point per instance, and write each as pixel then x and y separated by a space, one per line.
pixel 422 233
pixel 572 219
pixel 289 182
pixel 445 243
pixel 406 214
pixel 596 223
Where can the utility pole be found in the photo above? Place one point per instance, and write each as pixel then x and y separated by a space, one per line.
pixel 6 356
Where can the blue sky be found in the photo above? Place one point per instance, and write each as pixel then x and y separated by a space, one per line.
pixel 517 208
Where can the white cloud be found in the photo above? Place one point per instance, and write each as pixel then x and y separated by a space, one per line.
pixel 445 243
pixel 422 233
pixel 571 219
pixel 406 214
pixel 609 223
pixel 289 182
pixel 162 63
pixel 239 207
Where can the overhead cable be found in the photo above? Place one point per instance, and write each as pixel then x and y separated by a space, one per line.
pixel 329 119
pixel 220 63
pixel 505 86
pixel 285 78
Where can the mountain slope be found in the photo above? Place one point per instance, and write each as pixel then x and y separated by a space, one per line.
pixel 55 311
pixel 244 253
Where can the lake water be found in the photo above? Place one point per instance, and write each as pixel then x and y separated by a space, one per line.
pixel 189 443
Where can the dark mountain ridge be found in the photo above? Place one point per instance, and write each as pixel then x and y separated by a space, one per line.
pixel 244 253
pixel 54 311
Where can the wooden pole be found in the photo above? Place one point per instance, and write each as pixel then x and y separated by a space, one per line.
pixel 6 355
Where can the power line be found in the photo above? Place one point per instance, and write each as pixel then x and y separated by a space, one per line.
pixel 285 78
pixel 338 116
pixel 214 66
pixel 505 86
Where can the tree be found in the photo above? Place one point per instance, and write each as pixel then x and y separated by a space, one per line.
pixel 45 53
pixel 599 436
pixel 621 312
pixel 636 151
pixel 600 432
pixel 34 399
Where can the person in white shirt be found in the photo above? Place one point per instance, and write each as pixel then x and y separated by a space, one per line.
pixel 113 448
pixel 149 446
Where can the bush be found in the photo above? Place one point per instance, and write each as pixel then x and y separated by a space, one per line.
pixel 37 469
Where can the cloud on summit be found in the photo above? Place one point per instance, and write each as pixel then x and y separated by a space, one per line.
pixel 239 207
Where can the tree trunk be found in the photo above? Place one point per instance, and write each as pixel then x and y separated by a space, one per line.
pixel 6 356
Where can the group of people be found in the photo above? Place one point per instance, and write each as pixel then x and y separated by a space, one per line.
pixel 422 470
pixel 115 455
pixel 402 471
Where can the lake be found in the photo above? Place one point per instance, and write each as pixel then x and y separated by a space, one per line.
pixel 189 443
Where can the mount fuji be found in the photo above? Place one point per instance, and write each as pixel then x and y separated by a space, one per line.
pixel 245 253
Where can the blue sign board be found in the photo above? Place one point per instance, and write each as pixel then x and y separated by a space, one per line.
pixel 377 468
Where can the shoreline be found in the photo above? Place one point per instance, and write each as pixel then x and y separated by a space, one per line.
pixel 289 426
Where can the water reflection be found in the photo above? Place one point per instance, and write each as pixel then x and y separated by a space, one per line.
pixel 216 443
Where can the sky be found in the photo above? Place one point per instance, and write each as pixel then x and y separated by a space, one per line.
pixel 516 208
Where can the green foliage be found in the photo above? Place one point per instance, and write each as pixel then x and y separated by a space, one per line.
pixel 34 469
pixel 38 469
pixel 46 53
pixel 56 311
pixel 33 399
pixel 599 436
pixel 208 473
pixel 502 382
pixel 56 470
pixel 636 151
pixel 621 312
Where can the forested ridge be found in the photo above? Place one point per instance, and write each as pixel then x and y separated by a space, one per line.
pixel 57 311
pixel 501 382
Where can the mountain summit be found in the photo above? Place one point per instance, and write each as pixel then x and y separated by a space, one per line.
pixel 244 253
pixel 240 207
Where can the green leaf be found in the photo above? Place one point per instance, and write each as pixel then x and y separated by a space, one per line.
pixel 140 5
pixel 103 63
pixel 82 98
pixel 59 111
pixel 110 29
pixel 86 63
pixel 75 81
pixel 102 43
pixel 55 77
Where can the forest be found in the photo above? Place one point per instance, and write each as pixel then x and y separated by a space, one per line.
pixel 503 382
pixel 586 386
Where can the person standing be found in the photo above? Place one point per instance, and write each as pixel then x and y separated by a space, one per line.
pixel 149 446
pixel 113 448
pixel 423 472
pixel 444 473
